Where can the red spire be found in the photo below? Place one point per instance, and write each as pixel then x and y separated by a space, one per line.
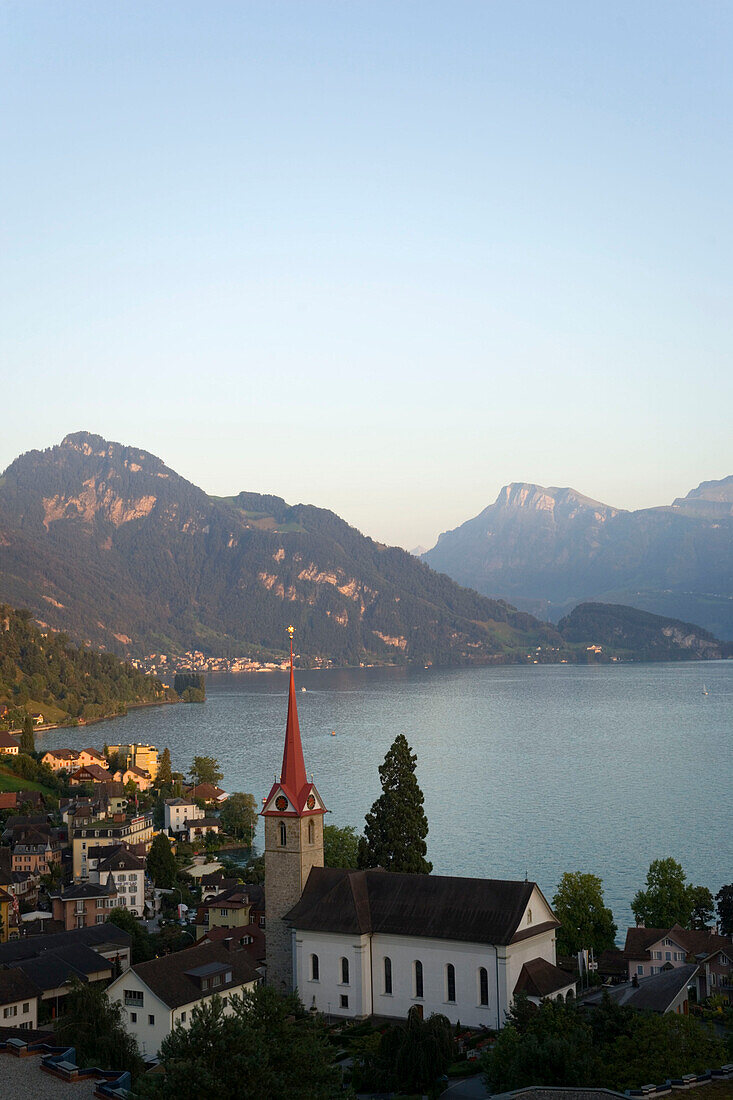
pixel 293 777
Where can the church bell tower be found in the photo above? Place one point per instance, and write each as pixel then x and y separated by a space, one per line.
pixel 293 813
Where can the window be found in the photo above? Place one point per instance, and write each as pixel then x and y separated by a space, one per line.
pixel 668 956
pixel 529 916
pixel 483 986
pixel 344 971
pixel 311 832
pixel 224 912
pixel 183 1017
pixel 450 982
pixel 228 974
pixel 418 978
pixel 657 955
pixel 640 969
pixel 344 1001
pixel 654 969
pixel 133 1017
pixel 283 835
pixel 314 968
pixel 133 997
pixel 11 1011
pixel 26 1006
pixel 216 980
pixel 388 976
pixel 151 1021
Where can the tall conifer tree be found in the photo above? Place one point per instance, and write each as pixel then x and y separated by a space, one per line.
pixel 165 773
pixel 396 825
pixel 27 740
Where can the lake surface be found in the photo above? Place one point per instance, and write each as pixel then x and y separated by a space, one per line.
pixel 525 770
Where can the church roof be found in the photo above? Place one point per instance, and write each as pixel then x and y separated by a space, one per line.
pixel 471 910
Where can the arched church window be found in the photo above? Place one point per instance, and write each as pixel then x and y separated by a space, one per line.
pixel 450 982
pixel 387 975
pixel 311 832
pixel 529 916
pixel 483 986
pixel 283 835
pixel 418 978
pixel 314 968
pixel 344 971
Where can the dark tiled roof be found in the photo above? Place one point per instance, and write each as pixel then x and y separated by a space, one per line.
pixel 167 976
pixel 122 859
pixel 16 986
pixel 640 940
pixel 612 962
pixel 256 949
pixel 80 890
pixel 539 978
pixel 466 909
pixel 654 994
pixel 51 969
pixel 98 936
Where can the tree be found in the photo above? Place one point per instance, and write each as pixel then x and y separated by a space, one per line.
pixel 162 862
pixel 724 898
pixel 585 922
pixel 265 1047
pixel 340 846
pixel 703 908
pixel 27 742
pixel 667 900
pixel 414 1056
pixel 165 771
pixel 205 769
pixel 142 949
pixel 239 816
pixel 396 825
pixel 93 1026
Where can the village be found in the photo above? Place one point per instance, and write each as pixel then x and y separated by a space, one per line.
pixel 120 875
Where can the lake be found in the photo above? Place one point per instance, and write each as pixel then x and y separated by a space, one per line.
pixel 525 770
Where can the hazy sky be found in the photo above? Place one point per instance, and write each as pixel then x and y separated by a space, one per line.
pixel 378 257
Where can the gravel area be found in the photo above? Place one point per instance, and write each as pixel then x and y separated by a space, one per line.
pixel 23 1079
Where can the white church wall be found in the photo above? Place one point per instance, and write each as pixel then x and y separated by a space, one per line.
pixel 328 988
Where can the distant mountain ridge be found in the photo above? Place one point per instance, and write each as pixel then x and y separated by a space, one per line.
pixel 107 542
pixel 550 549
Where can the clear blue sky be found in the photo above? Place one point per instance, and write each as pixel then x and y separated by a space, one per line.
pixel 379 257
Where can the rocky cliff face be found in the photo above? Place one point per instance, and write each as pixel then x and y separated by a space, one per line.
pixel 108 543
pixel 549 549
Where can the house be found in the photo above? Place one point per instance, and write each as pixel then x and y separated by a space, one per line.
pixel 92 756
pixel 60 759
pixel 232 909
pixel 135 775
pixel 128 874
pixel 36 849
pixel 117 830
pixel 18 1000
pixel 650 950
pixel 107 940
pixel 198 828
pixel 13 800
pixel 37 718
pixel 161 994
pixel 178 811
pixel 84 904
pixel 3 710
pixel 251 939
pixel 6 905
pixel 664 991
pixel 8 744
pixel 89 773
pixel 715 976
pixel 368 943
pixel 207 792
pixel 22 885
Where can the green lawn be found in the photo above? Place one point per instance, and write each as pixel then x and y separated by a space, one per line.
pixel 9 781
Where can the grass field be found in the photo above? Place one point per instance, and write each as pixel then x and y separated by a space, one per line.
pixel 9 781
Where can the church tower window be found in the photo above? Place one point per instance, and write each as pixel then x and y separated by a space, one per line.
pixel 311 832
pixel 283 835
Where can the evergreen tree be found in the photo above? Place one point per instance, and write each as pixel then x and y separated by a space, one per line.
pixel 205 769
pixel 162 862
pixel 93 1026
pixel 239 816
pixel 724 898
pixel 165 771
pixel 396 825
pixel 27 740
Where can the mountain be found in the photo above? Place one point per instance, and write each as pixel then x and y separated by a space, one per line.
pixel 106 542
pixel 618 629
pixel 549 549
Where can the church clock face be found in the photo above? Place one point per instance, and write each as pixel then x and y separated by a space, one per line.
pixel 281 803
pixel 310 802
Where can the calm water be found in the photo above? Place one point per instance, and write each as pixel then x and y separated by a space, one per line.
pixel 525 770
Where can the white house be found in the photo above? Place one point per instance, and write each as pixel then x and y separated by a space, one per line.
pixel 160 994
pixel 128 874
pixel 178 812
pixel 18 1000
pixel 371 943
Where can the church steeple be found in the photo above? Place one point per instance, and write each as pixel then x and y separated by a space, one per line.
pixel 293 814
pixel 293 777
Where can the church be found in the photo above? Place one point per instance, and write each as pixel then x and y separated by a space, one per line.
pixel 372 943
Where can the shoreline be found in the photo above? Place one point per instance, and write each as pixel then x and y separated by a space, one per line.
pixel 83 723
